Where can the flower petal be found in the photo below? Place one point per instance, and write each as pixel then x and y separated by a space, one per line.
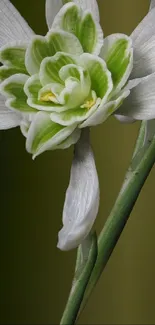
pixel 72 139
pixel 50 67
pixel 71 19
pixel 140 105
pixel 124 119
pixel 62 41
pixel 53 7
pixel 144 46
pixel 45 135
pixel 32 89
pixel 8 119
pixel 13 27
pixel 37 50
pixel 13 89
pixel 6 72
pixel 13 55
pixel 82 197
pixel 118 53
pixel 152 4
pixel 100 76
pixel 77 115
pixel 104 111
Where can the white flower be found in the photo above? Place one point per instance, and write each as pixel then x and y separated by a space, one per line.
pixel 54 86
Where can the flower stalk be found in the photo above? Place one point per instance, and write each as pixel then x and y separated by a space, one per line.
pixel 135 178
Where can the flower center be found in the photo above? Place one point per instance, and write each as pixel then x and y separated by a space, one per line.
pixel 48 97
pixel 89 103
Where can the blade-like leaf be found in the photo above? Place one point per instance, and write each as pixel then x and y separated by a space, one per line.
pixel 82 197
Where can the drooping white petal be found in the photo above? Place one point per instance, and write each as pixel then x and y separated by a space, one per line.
pixel 13 27
pixel 8 119
pixel 152 4
pixel 143 38
pixel 140 104
pixel 53 7
pixel 82 197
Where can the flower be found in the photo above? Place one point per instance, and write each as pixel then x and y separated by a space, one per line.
pixel 58 84
pixel 55 86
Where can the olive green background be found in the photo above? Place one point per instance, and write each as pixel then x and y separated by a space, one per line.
pixel 35 276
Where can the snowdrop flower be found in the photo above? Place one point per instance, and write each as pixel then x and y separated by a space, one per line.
pixel 55 86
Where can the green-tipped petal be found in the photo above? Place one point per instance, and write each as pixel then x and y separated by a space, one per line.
pixel 77 115
pixel 13 89
pixel 62 41
pixel 32 89
pixel 72 139
pixel 45 135
pixel 90 35
pixel 71 19
pixel 13 55
pixel 100 76
pixel 77 85
pixel 118 54
pixel 49 69
pixel 104 111
pixel 37 50
pixel 6 72
pixel 68 18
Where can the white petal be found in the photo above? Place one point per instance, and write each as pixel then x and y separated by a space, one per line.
pixel 144 46
pixel 82 197
pixel 53 7
pixel 13 27
pixel 140 104
pixel 152 4
pixel 8 119
pixel 124 119
pixel 90 5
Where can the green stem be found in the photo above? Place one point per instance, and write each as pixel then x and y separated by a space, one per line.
pixel 120 213
pixel 87 255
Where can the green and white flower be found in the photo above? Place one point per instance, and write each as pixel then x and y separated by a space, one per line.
pixel 56 85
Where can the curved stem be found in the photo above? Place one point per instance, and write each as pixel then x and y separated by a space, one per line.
pixel 134 181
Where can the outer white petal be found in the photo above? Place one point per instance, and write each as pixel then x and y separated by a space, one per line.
pixel 124 119
pixel 13 27
pixel 143 38
pixel 82 197
pixel 8 119
pixel 140 104
pixel 53 7
pixel 152 4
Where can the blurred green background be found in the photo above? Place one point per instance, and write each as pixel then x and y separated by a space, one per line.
pixel 35 276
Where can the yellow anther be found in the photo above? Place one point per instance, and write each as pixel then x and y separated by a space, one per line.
pixel 48 97
pixel 89 103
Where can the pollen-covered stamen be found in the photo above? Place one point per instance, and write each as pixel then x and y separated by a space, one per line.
pixel 91 101
pixel 48 97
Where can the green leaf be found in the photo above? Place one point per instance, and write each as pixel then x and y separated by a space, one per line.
pixel 45 135
pixel 101 81
pixel 14 56
pixel 37 50
pixel 13 89
pixel 50 67
pixel 118 54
